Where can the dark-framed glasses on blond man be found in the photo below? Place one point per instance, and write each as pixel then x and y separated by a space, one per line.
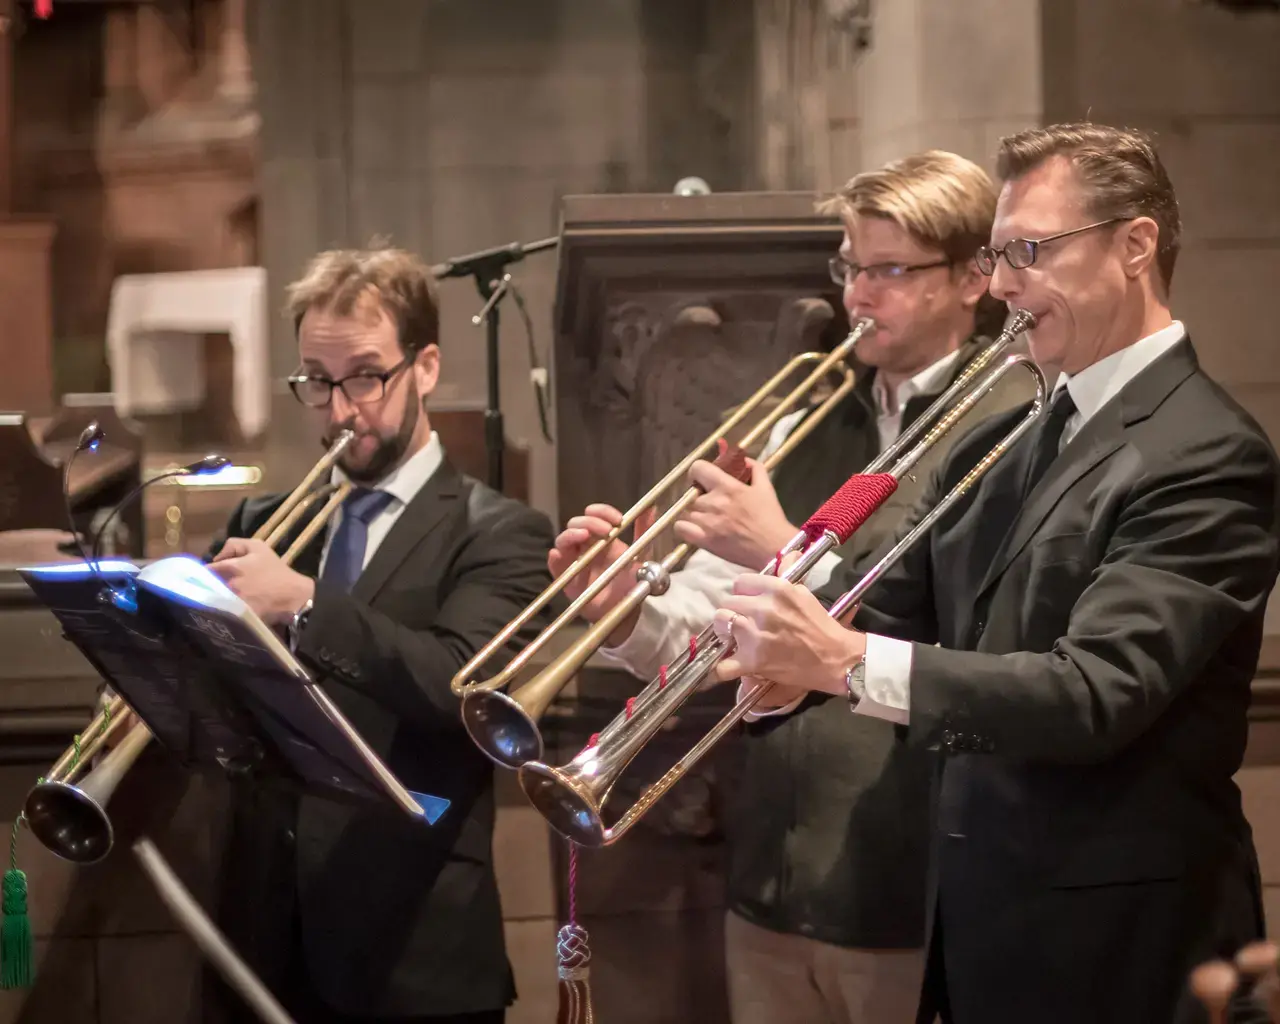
pixel 1020 253
pixel 361 387
pixel 843 272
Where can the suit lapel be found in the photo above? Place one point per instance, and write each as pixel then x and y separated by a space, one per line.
pixel 427 511
pixel 1100 438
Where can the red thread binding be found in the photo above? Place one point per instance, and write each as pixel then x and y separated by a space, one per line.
pixel 851 506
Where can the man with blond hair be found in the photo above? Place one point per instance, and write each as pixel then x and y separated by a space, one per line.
pixel 356 914
pixel 827 837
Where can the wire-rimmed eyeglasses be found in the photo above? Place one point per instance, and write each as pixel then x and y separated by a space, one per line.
pixel 1020 253
pixel 842 271
pixel 361 388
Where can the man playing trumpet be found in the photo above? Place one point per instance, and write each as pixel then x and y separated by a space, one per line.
pixel 353 914
pixel 1078 633
pixel 826 876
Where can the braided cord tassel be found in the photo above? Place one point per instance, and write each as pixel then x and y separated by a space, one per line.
pixel 574 957
pixel 17 944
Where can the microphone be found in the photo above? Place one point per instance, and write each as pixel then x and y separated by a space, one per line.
pixel 692 186
pixel 201 467
pixel 89 440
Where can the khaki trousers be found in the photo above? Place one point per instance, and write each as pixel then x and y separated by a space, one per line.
pixel 789 979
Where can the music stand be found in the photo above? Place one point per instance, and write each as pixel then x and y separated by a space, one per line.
pixel 213 683
pixel 205 934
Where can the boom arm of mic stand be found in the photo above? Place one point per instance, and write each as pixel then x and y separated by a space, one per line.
pixel 486 266
pixel 486 263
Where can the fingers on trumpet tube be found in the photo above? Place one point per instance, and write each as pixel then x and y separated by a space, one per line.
pixel 1259 966
pixel 1214 984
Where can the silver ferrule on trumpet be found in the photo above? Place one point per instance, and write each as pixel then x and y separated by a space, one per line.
pixel 572 797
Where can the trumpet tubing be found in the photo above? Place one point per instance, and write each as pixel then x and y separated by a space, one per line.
pixel 69 818
pixel 505 726
pixel 572 797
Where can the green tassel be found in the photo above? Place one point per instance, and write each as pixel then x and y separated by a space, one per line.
pixel 17 949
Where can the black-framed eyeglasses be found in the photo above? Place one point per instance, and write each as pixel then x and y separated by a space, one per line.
pixel 1020 253
pixel 362 387
pixel 843 272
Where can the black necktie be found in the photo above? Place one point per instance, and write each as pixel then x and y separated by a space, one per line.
pixel 1049 437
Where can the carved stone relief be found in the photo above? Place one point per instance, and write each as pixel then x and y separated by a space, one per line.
pixel 669 367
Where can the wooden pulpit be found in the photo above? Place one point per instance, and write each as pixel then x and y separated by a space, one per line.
pixel 670 310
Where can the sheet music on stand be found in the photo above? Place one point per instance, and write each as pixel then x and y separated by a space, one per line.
pixel 212 681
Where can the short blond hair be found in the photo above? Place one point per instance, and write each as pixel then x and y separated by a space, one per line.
pixel 337 280
pixel 941 199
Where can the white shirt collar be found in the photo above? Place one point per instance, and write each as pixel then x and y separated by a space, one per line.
pixel 407 479
pixel 928 380
pixel 1095 385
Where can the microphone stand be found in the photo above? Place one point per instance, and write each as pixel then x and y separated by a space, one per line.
pixel 493 283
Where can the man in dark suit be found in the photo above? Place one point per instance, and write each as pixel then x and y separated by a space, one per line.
pixel 1078 633
pixel 386 919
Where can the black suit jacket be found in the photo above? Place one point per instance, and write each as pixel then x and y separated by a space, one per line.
pixel 1089 686
pixel 398 918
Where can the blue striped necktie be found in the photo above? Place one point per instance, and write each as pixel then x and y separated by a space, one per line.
pixel 346 552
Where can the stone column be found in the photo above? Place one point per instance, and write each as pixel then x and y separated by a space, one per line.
pixel 235 78
pixel 948 75
pixel 805 53
pixel 6 104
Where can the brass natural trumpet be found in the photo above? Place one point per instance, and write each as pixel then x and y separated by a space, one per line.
pixel 505 726
pixel 572 796
pixel 70 818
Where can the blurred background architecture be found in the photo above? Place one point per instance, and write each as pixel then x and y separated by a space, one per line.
pixel 167 166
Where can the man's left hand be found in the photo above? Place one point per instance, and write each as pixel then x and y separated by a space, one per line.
pixel 741 523
pixel 254 572
pixel 785 635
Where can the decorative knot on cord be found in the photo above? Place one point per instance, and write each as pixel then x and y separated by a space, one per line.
pixel 572 948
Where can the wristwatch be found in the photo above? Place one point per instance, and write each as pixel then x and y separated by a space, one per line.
pixel 299 620
pixel 853 681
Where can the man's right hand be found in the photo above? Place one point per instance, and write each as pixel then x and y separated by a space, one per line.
pixel 578 535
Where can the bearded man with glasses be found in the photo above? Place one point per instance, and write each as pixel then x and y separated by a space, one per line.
pixel 1078 633
pixel 352 914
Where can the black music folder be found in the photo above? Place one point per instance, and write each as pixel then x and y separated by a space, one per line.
pixel 214 684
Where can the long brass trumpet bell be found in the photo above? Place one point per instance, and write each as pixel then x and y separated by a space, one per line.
pixel 505 726
pixel 572 797
pixel 70 818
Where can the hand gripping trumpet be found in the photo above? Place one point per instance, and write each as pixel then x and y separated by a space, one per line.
pixel 69 818
pixel 572 796
pixel 505 726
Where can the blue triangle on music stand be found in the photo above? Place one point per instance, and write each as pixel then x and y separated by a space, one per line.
pixel 433 807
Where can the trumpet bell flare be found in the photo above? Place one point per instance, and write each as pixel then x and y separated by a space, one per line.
pixel 501 728
pixel 566 802
pixel 69 822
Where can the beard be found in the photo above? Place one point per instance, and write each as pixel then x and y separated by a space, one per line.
pixel 389 450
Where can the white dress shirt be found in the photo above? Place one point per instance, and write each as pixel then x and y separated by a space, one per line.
pixel 887 666
pixel 665 623
pixel 403 484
